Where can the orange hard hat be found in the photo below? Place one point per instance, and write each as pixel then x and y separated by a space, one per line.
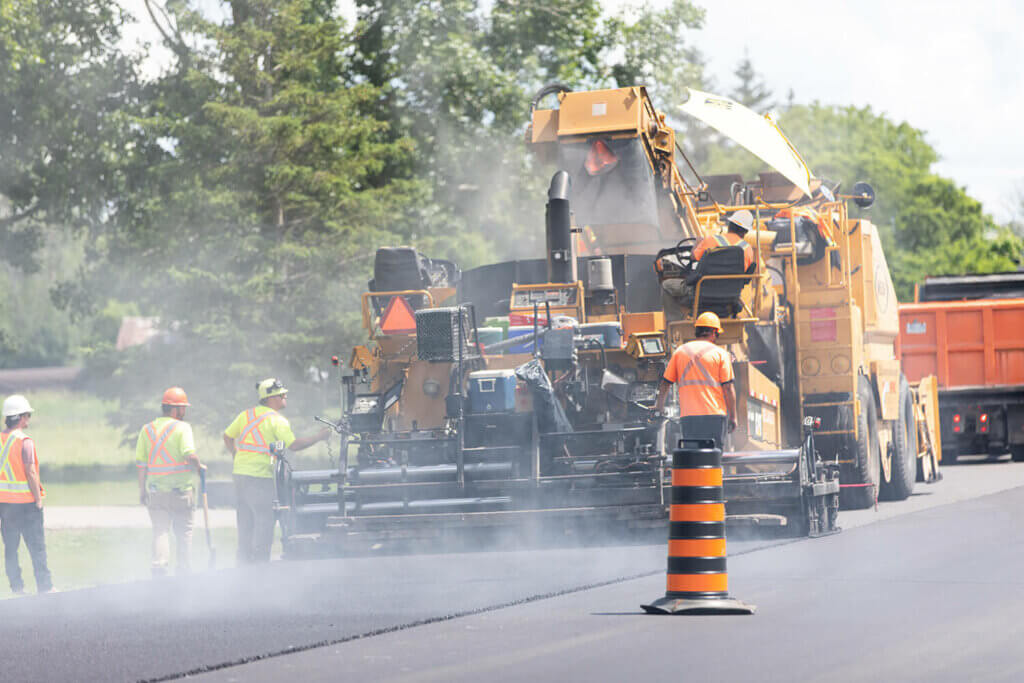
pixel 709 319
pixel 175 396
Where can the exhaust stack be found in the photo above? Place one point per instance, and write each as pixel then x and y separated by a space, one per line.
pixel 558 219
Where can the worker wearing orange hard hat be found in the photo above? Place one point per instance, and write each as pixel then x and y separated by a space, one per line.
pixel 703 372
pixel 165 454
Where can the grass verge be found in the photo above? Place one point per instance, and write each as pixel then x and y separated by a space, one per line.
pixel 84 558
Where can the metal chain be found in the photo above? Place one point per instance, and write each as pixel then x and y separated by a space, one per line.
pixel 330 453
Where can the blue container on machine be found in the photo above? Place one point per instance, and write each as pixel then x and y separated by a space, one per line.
pixel 608 334
pixel 492 391
pixel 519 331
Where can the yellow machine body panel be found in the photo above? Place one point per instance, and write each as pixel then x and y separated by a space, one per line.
pixel 601 111
pixel 758 410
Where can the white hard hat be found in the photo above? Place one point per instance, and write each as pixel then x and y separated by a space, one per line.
pixel 16 404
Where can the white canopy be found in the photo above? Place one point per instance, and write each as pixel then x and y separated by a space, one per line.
pixel 759 134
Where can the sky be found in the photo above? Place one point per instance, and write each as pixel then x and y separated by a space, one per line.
pixel 948 67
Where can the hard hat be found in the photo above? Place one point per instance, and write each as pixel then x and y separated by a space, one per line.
pixel 175 396
pixel 270 387
pixel 16 404
pixel 742 219
pixel 709 319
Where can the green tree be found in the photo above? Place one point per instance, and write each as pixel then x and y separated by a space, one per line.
pixel 257 198
pixel 750 90
pixel 64 89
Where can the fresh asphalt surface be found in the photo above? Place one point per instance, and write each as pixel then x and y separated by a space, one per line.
pixel 927 589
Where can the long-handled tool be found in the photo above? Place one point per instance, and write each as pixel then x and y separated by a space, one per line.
pixel 206 517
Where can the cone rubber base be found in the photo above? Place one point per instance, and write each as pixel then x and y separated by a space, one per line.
pixel 698 606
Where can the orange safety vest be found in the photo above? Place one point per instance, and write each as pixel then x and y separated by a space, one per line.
pixel 729 239
pixel 160 461
pixel 819 219
pixel 700 391
pixel 251 439
pixel 13 481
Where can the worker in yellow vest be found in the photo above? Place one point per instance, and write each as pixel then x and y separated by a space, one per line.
pixel 252 439
pixel 21 497
pixel 165 454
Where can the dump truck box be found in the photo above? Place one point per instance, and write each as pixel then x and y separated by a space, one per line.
pixel 976 350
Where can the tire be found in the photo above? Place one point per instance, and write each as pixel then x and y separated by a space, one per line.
pixel 904 462
pixel 866 452
pixel 1017 452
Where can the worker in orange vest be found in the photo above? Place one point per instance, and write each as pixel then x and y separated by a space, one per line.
pixel 703 371
pixel 165 454
pixel 21 497
pixel 737 226
pixel 253 439
pixel 677 295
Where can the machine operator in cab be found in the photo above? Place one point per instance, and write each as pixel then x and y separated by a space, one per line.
pixel 703 371
pixel 678 294
pixel 737 226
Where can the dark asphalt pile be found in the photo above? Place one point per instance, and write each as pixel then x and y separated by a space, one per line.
pixel 166 628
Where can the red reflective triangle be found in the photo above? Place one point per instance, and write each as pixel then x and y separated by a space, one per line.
pixel 600 159
pixel 398 317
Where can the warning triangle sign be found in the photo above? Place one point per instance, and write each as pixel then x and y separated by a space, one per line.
pixel 398 317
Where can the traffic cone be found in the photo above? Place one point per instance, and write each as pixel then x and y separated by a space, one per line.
pixel 697 579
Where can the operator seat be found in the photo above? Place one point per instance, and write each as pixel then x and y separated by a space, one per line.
pixel 721 297
pixel 397 269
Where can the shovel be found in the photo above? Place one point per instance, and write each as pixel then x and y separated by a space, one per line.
pixel 206 517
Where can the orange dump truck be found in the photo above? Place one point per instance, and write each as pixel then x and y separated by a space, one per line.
pixel 969 332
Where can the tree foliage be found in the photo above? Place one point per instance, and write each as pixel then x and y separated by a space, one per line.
pixel 750 89
pixel 65 89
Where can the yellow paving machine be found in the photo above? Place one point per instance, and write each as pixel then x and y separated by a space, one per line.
pixel 519 393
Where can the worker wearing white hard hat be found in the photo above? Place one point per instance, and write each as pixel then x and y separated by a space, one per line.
pixel 21 497
pixel 738 224
pixel 255 440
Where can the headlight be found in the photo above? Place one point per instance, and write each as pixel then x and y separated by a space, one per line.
pixel 364 405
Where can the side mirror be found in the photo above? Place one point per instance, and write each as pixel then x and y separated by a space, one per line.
pixel 863 195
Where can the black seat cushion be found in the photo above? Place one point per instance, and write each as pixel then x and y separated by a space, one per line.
pixel 721 297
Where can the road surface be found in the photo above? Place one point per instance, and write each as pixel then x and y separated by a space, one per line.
pixel 929 588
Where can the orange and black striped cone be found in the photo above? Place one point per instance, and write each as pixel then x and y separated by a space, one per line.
pixel 697 579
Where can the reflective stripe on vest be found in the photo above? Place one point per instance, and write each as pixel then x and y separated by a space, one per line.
pixel 258 444
pixel 160 461
pixel 708 380
pixel 10 480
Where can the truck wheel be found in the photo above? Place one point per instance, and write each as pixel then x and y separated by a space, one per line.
pixel 904 464
pixel 867 470
pixel 1017 452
